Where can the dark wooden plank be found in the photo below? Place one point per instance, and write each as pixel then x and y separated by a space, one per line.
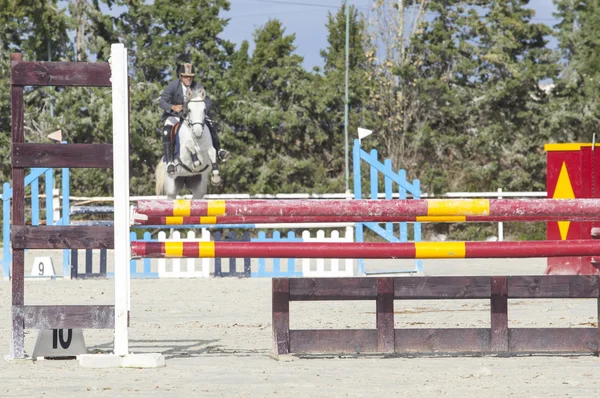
pixel 67 316
pixel 385 315
pixel 103 257
pixel 441 341
pixel 18 218
pixel 58 155
pixel 333 341
pixel 62 237
pixel 96 74
pixel 442 287
pixel 281 316
pixel 499 314
pixel 554 340
pixel 309 289
pixel 89 262
pixel 553 286
pixel 74 264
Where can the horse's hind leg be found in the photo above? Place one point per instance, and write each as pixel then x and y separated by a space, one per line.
pixel 173 186
pixel 198 184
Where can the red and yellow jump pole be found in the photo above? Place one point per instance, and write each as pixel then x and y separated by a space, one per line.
pixel 369 207
pixel 213 220
pixel 419 250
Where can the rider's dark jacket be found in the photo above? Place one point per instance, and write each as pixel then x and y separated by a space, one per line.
pixel 173 95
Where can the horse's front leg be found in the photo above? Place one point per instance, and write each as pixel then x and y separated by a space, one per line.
pixel 194 155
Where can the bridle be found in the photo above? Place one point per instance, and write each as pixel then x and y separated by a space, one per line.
pixel 197 98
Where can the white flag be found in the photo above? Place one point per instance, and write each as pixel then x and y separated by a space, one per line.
pixel 56 136
pixel 362 133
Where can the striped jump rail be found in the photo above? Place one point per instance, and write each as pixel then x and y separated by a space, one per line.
pixel 235 220
pixel 369 207
pixel 497 339
pixel 411 250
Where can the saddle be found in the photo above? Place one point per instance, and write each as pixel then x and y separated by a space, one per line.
pixel 173 133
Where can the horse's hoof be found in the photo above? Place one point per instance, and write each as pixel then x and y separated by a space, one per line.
pixel 215 180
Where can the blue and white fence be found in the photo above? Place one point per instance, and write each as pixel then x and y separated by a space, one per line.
pixel 403 186
pixel 32 180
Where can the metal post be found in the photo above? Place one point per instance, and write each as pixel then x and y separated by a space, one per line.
pixel 346 101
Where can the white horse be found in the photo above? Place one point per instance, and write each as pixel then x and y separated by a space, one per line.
pixel 195 158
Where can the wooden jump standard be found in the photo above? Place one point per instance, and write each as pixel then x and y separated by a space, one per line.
pixel 26 155
pixel 497 339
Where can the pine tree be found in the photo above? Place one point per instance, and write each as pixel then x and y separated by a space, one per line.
pixel 507 144
pixel 274 133
pixel 329 103
pixel 575 111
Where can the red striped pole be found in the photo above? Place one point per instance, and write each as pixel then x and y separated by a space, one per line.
pixel 391 208
pixel 520 249
pixel 200 220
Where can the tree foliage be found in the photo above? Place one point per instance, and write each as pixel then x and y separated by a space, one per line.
pixel 461 93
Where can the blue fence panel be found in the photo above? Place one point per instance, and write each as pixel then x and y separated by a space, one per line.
pixel 31 180
pixel 276 272
pixel 390 177
pixel 146 271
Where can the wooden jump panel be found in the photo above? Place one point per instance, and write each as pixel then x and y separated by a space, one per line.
pixel 62 237
pixel 497 339
pixel 18 217
pixel 67 316
pixel 52 237
pixel 30 73
pixel 58 156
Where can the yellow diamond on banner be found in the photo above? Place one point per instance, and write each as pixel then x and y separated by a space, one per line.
pixel 563 190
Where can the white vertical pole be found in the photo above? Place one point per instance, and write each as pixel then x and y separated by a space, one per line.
pixel 120 105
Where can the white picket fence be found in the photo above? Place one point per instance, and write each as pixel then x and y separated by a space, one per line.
pixel 316 267
pixel 202 267
pixel 171 268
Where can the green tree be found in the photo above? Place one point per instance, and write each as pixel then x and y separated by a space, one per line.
pixel 39 30
pixel 506 145
pixel 159 36
pixel 329 103
pixel 274 135
pixel 575 111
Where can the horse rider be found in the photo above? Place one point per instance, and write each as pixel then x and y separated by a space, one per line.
pixel 172 101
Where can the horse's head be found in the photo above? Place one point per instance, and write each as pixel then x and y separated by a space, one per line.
pixel 196 108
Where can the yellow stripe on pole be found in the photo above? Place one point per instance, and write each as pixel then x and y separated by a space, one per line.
pixel 458 207
pixel 215 208
pixel 173 249
pixel 206 249
pixel 441 218
pixel 440 249
pixel 208 220
pixel 181 208
pixel 174 220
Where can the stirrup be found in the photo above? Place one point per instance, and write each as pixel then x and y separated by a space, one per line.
pixel 224 155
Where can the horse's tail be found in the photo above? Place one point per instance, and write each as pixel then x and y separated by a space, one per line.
pixel 159 175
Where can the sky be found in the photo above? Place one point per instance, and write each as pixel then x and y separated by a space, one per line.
pixel 307 18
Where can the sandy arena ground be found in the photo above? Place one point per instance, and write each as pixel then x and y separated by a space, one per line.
pixel 216 337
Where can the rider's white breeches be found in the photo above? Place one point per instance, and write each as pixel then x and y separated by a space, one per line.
pixel 171 121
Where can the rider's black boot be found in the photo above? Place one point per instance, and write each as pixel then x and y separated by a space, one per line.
pixel 222 154
pixel 170 157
